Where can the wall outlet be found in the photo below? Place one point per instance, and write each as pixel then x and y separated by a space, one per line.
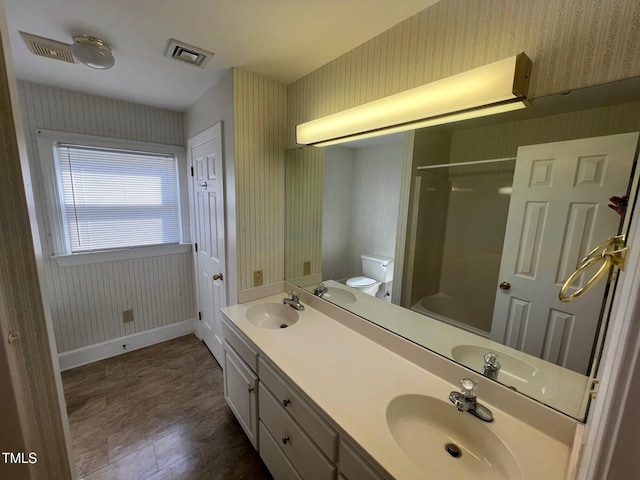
pixel 258 278
pixel 127 316
pixel 306 268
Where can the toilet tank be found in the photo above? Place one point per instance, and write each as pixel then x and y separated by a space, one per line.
pixel 378 268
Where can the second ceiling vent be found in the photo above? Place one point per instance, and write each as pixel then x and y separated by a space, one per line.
pixel 187 53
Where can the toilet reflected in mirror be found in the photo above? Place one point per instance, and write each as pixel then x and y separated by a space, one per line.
pixel 377 274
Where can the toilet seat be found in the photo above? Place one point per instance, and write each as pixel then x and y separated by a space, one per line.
pixel 361 282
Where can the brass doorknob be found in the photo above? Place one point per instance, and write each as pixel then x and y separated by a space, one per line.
pixel 218 276
pixel 505 286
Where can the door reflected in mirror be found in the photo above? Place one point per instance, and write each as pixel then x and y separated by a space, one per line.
pixel 483 221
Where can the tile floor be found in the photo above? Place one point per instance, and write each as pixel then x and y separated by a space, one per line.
pixel 157 413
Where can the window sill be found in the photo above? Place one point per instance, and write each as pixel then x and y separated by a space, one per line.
pixel 119 254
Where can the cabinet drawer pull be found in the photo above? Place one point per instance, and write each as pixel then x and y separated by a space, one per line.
pixel 286 402
pixel 251 389
pixel 285 439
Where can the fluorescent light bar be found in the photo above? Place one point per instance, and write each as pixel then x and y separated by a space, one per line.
pixel 493 110
pixel 498 87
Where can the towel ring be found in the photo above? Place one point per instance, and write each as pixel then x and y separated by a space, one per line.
pixel 617 241
pixel 602 253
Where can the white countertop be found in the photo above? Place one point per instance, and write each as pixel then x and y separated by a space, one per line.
pixel 352 379
pixel 567 392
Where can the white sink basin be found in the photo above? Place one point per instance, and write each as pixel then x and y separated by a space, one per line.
pixel 514 372
pixel 272 315
pixel 339 296
pixel 446 443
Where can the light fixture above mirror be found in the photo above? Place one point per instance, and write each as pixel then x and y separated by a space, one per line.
pixel 498 87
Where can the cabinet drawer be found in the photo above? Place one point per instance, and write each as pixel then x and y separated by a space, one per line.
pixel 318 429
pixel 308 460
pixel 246 351
pixel 354 467
pixel 275 460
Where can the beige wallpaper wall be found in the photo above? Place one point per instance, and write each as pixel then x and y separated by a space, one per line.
pixel 259 125
pixel 303 229
pixel 502 141
pixel 87 300
pixel 572 43
pixel 337 198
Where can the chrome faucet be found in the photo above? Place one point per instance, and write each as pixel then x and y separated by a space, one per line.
pixel 294 301
pixel 491 365
pixel 320 290
pixel 467 400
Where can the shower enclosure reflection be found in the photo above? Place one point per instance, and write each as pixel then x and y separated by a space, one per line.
pixel 456 243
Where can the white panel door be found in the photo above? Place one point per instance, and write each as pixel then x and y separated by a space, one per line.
pixel 557 214
pixel 208 206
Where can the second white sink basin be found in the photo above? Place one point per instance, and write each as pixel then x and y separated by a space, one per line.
pixel 446 443
pixel 339 296
pixel 514 372
pixel 272 315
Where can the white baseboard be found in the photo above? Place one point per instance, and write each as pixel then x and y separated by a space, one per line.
pixel 117 346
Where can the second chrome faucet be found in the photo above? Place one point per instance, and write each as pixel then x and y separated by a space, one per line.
pixel 466 400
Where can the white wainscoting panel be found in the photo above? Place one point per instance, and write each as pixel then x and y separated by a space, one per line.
pixel 118 346
pixel 87 301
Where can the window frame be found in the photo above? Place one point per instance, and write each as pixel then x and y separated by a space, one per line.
pixel 47 141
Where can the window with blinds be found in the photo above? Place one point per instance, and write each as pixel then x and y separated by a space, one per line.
pixel 118 199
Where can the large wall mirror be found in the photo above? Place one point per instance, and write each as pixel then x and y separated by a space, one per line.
pixel 459 237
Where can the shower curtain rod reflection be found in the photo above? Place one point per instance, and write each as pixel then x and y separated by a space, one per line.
pixel 462 164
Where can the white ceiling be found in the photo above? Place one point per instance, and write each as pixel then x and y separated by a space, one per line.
pixel 278 39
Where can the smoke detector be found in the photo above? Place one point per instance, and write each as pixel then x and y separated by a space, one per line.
pixel 187 53
pixel 45 47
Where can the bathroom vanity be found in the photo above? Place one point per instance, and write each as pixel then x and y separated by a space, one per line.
pixel 323 394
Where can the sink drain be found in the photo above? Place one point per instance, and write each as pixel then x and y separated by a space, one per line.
pixel 453 450
pixel 283 325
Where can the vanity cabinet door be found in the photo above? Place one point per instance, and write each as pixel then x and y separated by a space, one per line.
pixel 354 467
pixel 241 393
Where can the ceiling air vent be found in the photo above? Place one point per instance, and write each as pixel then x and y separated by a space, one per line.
pixel 187 53
pixel 45 47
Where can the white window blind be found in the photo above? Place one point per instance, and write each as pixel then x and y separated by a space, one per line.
pixel 118 199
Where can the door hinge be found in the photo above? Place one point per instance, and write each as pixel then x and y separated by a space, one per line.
pixel 196 246
pixel 594 388
pixel 13 337
pixel 192 171
pixel 199 315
